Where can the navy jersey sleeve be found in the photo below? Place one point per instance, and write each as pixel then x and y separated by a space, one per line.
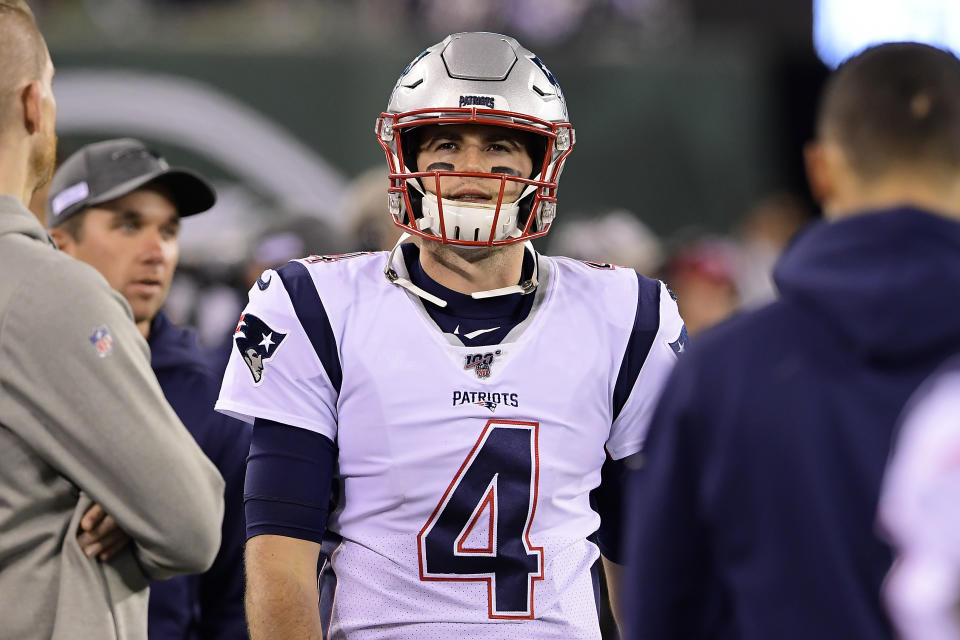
pixel 289 480
pixel 608 502
pixel 668 575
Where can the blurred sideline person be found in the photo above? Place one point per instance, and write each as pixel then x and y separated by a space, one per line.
pixel 762 235
pixel 82 419
pixel 462 394
pixel 124 221
pixel 288 236
pixel 367 227
pixel 617 236
pixel 754 514
pixel 702 273
pixel 920 511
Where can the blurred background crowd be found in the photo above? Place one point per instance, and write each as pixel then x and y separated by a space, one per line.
pixel 690 115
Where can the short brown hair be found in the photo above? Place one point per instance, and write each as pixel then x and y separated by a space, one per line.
pixel 73 226
pixel 21 42
pixel 23 52
pixel 894 105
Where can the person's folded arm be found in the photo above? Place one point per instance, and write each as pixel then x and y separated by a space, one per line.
pixel 75 363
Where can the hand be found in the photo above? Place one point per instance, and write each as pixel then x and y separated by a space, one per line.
pixel 100 535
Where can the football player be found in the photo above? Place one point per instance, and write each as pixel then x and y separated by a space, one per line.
pixel 461 393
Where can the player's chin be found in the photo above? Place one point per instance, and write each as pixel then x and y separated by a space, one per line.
pixel 145 308
pixel 471 254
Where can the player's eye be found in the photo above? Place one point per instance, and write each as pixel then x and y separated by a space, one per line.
pixel 445 146
pixel 170 233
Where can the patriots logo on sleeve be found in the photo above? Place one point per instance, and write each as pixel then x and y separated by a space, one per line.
pixel 681 343
pixel 257 344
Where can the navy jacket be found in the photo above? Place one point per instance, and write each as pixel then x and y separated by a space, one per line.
pixel 210 605
pixel 753 515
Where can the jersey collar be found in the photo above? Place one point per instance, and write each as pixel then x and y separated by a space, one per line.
pixel 528 279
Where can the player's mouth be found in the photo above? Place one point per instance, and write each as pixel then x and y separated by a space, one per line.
pixel 147 286
pixel 471 195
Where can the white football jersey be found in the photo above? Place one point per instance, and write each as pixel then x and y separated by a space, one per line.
pixel 464 472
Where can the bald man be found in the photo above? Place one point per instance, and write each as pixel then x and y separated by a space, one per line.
pixel 82 418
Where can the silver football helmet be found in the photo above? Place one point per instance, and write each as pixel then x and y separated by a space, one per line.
pixel 475 78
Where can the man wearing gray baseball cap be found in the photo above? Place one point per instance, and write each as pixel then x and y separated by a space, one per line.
pixel 107 170
pixel 101 200
pixel 116 205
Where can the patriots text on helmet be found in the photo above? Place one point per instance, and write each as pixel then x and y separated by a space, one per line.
pixel 480 101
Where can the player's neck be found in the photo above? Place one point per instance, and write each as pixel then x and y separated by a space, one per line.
pixel 143 326
pixel 14 174
pixel 467 270
pixel 938 194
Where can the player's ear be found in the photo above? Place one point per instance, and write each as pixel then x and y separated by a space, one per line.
pixel 817 157
pixel 31 99
pixel 65 241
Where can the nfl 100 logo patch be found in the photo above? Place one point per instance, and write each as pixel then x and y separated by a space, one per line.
pixel 481 362
pixel 102 341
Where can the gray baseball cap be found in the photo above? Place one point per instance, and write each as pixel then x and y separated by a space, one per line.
pixel 107 170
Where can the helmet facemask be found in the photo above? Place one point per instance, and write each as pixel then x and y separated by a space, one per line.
pixel 479 79
pixel 506 219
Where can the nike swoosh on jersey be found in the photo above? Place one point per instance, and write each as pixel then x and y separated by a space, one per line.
pixel 474 334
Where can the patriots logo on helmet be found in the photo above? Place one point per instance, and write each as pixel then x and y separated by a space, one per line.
pixel 257 344
pixel 550 77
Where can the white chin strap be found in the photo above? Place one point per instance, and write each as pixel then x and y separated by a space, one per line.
pixel 525 287
pixel 470 220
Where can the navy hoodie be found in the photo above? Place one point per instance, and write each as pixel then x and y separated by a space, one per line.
pixel 753 514
pixel 209 605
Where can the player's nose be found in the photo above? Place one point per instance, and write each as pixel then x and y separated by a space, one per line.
pixel 152 246
pixel 471 159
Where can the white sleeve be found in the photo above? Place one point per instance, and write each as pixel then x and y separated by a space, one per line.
pixel 274 372
pixel 630 427
pixel 919 509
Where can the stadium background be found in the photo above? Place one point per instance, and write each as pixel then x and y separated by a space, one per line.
pixel 690 116
pixel 685 112
pixel 690 119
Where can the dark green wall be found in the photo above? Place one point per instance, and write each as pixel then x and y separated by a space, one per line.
pixel 679 139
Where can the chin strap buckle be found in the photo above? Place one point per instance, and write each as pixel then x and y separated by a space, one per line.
pixel 394 278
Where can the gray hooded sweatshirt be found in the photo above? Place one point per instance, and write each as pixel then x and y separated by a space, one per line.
pixel 83 420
